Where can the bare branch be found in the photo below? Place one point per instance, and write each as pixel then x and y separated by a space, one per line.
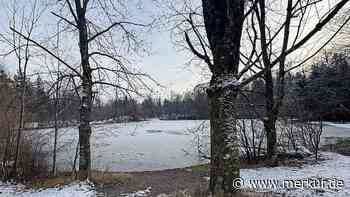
pixel 65 19
pixel 46 50
pixel 121 24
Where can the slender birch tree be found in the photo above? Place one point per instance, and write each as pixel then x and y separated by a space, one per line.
pixel 101 31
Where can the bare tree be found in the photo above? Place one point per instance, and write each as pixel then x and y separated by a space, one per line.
pixel 98 42
pixel 8 120
pixel 56 89
pixel 20 49
pixel 273 42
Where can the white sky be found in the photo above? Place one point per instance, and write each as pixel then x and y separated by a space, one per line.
pixel 165 63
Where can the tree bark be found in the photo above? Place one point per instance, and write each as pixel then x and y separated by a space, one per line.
pixel 225 162
pixel 13 173
pixel 85 133
pixel 270 118
pixel 85 96
pixel 56 130
pixel 271 135
pixel 223 23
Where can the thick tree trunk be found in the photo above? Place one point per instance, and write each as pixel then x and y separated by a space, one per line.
pixel 223 24
pixel 225 162
pixel 85 133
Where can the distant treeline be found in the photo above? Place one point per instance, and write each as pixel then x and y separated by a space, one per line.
pixel 191 105
pixel 38 100
pixel 321 92
pixel 40 104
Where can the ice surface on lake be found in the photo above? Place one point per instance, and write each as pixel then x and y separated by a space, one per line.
pixel 136 146
pixel 144 146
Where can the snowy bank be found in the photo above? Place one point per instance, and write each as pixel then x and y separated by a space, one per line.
pixel 83 189
pixel 335 166
pixel 339 125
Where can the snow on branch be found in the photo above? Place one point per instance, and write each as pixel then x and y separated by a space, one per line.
pixel 224 82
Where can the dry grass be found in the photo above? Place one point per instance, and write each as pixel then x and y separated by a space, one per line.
pixel 106 178
pixel 51 182
pixel 200 169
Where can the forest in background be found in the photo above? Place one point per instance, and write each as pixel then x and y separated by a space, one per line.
pixel 305 90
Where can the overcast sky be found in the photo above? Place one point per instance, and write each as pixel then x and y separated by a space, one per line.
pixel 165 63
pixel 169 65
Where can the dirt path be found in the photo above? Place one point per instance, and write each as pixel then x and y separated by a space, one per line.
pixel 160 182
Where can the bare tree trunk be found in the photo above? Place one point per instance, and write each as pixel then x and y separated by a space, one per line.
pixel 5 158
pixel 86 95
pixel 56 130
pixel 225 163
pixel 74 171
pixel 271 136
pixel 270 118
pixel 85 133
pixel 20 127
pixel 57 97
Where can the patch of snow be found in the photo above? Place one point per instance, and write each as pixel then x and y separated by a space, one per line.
pixel 202 86
pixel 299 149
pixel 335 166
pixel 82 189
pixel 345 126
pixel 226 81
pixel 141 193
pixel 303 150
pixel 227 156
pixel 230 82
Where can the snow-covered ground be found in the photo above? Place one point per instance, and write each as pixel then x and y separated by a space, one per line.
pixel 334 166
pixel 83 189
pixel 340 125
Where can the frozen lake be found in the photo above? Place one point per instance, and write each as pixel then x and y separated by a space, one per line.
pixel 136 146
pixel 145 146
